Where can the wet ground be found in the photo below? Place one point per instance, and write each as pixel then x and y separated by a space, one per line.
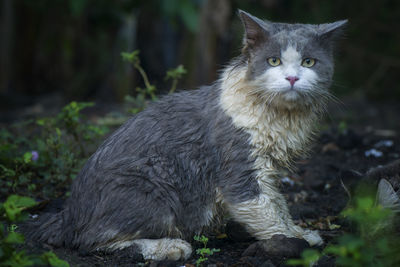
pixel 348 147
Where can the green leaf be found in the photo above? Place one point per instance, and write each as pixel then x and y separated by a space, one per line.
pixel 17 259
pixel 22 202
pixel 7 172
pixel 58 131
pixel 342 127
pixel 41 122
pixel 308 258
pixel 53 260
pixel 295 262
pixel 201 238
pixel 176 73
pixel 12 227
pixel 31 187
pixel 27 158
pixel 23 178
pixel 14 238
pixel 365 203
pixel 14 205
pixel 132 57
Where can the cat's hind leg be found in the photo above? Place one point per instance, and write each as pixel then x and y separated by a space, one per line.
pixel 157 249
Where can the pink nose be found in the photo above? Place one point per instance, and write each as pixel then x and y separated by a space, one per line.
pixel 292 79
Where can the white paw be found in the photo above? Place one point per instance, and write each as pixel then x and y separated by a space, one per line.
pixel 164 248
pixel 312 237
pixel 178 249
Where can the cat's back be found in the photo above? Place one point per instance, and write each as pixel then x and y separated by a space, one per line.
pixel 157 145
pixel 165 120
pixel 177 123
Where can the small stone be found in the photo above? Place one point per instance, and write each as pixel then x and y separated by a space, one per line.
pixel 287 180
pixel 373 152
pixel 330 147
pixel 279 246
pixel 236 232
pixel 384 143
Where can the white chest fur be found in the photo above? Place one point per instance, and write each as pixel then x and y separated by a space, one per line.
pixel 276 135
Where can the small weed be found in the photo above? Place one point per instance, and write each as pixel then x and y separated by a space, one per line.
pixel 203 252
pixel 175 75
pixel 374 243
pixel 343 127
pixel 11 211
pixel 139 102
pixel 39 158
pixel 308 258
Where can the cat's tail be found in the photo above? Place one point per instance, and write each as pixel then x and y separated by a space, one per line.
pixel 48 228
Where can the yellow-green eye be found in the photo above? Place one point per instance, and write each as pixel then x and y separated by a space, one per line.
pixel 274 61
pixel 308 62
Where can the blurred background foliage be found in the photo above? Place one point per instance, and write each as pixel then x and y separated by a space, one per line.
pixel 55 51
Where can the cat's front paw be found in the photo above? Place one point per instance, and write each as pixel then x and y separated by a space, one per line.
pixel 278 246
pixel 313 238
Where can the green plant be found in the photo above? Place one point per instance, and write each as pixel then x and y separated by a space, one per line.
pixel 11 211
pixel 343 127
pixel 139 102
pixel 175 75
pixel 308 258
pixel 203 252
pixel 41 157
pixel 373 243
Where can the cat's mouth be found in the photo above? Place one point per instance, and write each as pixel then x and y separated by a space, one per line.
pixel 291 94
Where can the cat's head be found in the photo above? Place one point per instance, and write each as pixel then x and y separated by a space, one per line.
pixel 289 65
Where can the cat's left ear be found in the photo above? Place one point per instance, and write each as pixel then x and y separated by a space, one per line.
pixel 255 30
pixel 328 33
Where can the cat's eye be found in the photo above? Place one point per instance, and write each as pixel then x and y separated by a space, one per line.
pixel 308 62
pixel 274 61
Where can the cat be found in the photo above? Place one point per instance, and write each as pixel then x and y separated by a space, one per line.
pixel 172 169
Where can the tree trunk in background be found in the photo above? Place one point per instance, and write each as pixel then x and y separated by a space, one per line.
pixel 123 76
pixel 6 31
pixel 158 44
pixel 213 29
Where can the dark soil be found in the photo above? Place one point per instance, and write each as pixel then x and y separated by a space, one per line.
pixel 315 192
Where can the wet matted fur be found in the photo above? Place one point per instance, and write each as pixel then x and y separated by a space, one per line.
pixel 164 174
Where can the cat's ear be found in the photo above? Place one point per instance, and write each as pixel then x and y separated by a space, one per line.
pixel 328 33
pixel 255 29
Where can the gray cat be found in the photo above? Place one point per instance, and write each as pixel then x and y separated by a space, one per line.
pixel 170 170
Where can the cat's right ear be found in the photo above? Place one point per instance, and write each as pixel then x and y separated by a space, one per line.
pixel 329 33
pixel 255 32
